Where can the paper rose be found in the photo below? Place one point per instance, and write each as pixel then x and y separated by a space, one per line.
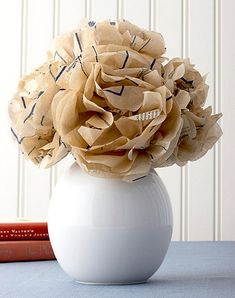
pixel 200 130
pixel 112 101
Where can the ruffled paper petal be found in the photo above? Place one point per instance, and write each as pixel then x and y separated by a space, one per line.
pixel 196 138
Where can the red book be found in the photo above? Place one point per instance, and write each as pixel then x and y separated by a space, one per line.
pixel 26 250
pixel 23 231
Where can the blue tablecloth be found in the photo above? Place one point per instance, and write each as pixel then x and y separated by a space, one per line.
pixel 191 269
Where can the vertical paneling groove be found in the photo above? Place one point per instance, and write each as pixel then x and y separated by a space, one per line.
pixel 169 23
pixel 152 14
pixel 151 17
pixel 184 170
pixel 156 20
pixel 38 40
pixel 201 172
pixel 228 108
pixel 88 9
pixel 55 32
pixel 56 18
pixel 217 105
pixel 119 9
pixel 23 66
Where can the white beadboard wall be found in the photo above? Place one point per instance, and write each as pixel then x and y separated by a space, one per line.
pixel 202 193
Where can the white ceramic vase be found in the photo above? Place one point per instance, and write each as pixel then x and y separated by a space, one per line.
pixel 106 231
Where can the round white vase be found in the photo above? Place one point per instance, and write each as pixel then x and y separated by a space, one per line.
pixel 106 231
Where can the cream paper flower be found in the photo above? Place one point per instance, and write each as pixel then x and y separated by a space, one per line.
pixel 200 130
pixel 30 113
pixel 117 110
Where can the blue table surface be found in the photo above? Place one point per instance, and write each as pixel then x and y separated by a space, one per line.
pixel 190 269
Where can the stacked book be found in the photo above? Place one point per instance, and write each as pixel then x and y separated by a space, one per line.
pixel 24 241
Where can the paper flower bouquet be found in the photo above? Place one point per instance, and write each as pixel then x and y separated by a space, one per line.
pixel 107 95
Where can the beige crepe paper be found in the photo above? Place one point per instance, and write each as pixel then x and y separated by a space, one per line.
pixel 107 96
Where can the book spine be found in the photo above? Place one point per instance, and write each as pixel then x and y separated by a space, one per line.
pixel 23 231
pixel 32 250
